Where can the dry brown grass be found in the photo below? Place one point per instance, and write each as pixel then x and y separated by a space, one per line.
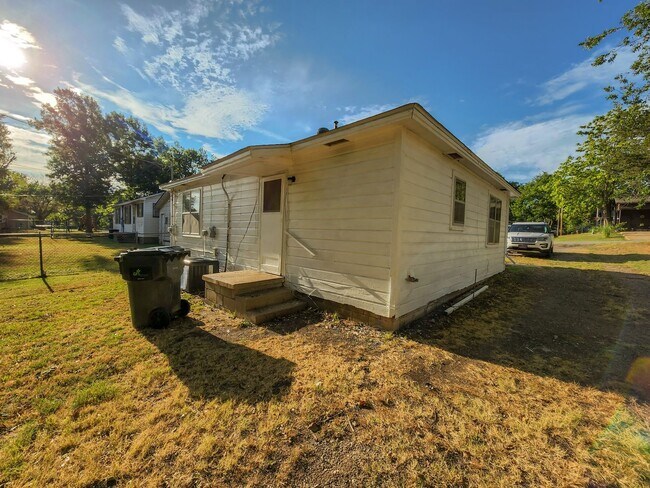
pixel 87 400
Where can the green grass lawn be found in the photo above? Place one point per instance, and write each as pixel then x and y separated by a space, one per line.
pixel 88 400
pixel 587 237
pixel 19 256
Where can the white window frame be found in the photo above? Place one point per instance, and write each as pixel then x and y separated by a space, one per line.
pixel 139 210
pixel 490 221
pixel 183 212
pixel 453 225
pixel 127 209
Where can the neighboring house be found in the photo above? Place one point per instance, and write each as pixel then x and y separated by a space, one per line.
pixel 384 216
pixel 634 214
pixel 139 216
pixel 162 209
pixel 13 221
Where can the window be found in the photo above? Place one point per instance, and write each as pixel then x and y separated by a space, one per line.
pixel 155 212
pixel 460 191
pixel 127 214
pixel 272 196
pixel 494 221
pixel 191 212
pixel 118 215
pixel 140 209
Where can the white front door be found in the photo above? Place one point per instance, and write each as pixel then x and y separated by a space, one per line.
pixel 271 224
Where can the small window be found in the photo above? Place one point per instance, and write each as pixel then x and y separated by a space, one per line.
pixel 191 212
pixel 494 221
pixel 140 209
pixel 272 196
pixel 127 214
pixel 460 193
pixel 154 211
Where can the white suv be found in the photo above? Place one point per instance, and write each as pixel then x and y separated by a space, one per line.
pixel 531 236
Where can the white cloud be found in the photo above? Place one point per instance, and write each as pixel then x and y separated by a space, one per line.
pixel 220 112
pixel 18 35
pixel 30 147
pixel 523 149
pixel 353 113
pixel 195 58
pixel 20 80
pixel 120 45
pixel 583 75
pixel 41 97
pixel 155 114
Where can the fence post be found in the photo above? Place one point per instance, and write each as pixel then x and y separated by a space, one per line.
pixel 40 254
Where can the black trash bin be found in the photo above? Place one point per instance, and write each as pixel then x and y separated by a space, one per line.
pixel 154 280
pixel 195 268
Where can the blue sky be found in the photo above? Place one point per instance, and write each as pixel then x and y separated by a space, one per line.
pixel 506 76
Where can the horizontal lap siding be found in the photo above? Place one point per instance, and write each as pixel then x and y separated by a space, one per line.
pixel 442 260
pixel 341 207
pixel 244 193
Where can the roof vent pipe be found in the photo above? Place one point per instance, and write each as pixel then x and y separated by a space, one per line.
pixel 336 124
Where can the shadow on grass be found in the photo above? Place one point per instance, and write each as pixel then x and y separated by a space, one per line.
pixel 600 258
pixel 213 368
pixel 583 326
pixel 294 322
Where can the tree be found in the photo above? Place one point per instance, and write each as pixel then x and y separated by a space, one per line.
pixel 143 163
pixel 7 156
pixel 184 162
pixel 79 162
pixel 636 26
pixel 37 199
pixel 135 156
pixel 536 202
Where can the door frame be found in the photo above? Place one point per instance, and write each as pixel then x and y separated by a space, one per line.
pixel 283 178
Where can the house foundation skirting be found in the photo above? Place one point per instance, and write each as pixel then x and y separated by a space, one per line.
pixel 386 323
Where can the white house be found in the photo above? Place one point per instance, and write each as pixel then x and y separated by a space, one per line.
pixel 140 216
pixel 381 218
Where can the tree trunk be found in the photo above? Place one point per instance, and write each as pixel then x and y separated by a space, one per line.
pixel 89 220
pixel 605 215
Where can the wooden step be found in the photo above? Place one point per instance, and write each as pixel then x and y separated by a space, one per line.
pixel 264 314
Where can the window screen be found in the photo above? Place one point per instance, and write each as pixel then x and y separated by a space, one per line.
pixel 460 189
pixel 191 212
pixel 494 220
pixel 272 195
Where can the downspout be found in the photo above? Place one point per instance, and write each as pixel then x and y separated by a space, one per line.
pixel 225 264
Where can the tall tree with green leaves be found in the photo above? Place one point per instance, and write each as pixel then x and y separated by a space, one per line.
pixel 536 202
pixel 79 161
pixel 635 26
pixel 7 156
pixel 134 153
pixel 181 162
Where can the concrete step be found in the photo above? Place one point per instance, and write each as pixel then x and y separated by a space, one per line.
pixel 235 283
pixel 264 314
pixel 263 298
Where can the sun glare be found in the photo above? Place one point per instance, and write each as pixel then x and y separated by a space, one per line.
pixel 11 55
pixel 14 40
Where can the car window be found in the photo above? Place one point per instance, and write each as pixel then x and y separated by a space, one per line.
pixel 537 228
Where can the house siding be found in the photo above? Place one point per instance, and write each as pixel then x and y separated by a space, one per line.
pixel 442 259
pixel 341 207
pixel 243 252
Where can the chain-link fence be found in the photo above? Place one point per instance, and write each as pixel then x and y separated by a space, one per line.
pixel 44 254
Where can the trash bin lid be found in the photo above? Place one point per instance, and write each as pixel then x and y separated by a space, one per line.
pixel 190 260
pixel 167 252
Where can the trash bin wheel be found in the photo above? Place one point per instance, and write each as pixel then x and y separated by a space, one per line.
pixel 185 308
pixel 159 318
